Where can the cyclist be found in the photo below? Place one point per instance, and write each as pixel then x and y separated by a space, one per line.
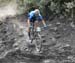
pixel 35 17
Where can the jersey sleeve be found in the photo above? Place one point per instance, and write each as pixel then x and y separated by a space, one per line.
pixel 30 15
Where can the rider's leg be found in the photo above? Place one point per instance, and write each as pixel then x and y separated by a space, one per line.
pixel 38 45
pixel 28 29
pixel 36 24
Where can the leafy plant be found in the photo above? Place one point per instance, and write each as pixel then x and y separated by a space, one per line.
pixel 47 7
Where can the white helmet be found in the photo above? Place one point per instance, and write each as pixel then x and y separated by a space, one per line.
pixel 37 11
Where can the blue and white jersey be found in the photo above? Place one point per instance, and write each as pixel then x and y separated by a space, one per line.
pixel 32 16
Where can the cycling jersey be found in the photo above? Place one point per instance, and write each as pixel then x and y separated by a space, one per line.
pixel 32 17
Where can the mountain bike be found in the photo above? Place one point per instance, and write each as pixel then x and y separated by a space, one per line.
pixel 36 36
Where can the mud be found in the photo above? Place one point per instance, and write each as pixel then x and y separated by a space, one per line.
pixel 57 45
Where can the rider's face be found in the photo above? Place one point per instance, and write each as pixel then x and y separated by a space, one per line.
pixel 36 14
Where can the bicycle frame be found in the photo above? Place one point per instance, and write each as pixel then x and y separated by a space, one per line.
pixel 35 35
pixel 35 32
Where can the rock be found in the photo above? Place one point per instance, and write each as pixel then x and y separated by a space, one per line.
pixel 43 41
pixel 49 61
pixel 58 23
pixel 43 36
pixel 21 35
pixel 72 24
pixel 54 28
pixel 8 37
pixel 53 39
pixel 58 36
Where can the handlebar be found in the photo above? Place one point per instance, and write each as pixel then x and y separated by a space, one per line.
pixel 39 29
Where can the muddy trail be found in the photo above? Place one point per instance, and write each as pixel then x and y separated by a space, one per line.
pixel 58 44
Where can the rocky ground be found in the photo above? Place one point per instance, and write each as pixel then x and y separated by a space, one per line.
pixel 57 44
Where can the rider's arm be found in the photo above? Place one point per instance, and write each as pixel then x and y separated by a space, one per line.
pixel 43 22
pixel 28 22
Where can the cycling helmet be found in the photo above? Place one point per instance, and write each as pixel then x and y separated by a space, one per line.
pixel 37 11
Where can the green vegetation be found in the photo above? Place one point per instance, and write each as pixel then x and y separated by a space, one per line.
pixel 4 2
pixel 49 7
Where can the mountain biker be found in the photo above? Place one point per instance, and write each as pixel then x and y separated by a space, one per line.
pixel 35 17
